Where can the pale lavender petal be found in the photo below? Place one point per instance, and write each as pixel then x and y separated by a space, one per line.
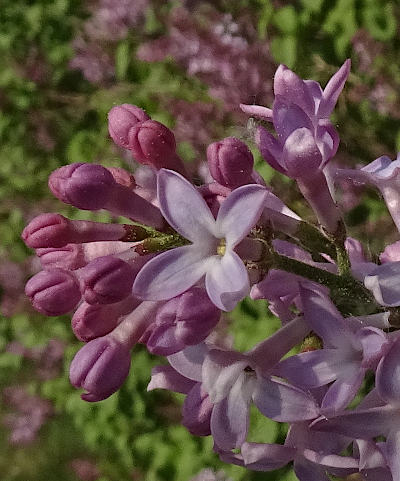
pixel 343 390
pixel 270 149
pixel 257 111
pixel 183 207
pixel 227 281
pixel 239 213
pixel 311 369
pixel 169 274
pixel 189 362
pixel 363 424
pixel 323 317
pixel 383 282
pixel 220 371
pixel 288 85
pixel 327 140
pixel 387 379
pixel 165 377
pixel 289 117
pixel 266 457
pixel 230 417
pixel 339 465
pixel 307 471
pixel 301 154
pixel 284 403
pixel 392 451
pixel 370 456
pixel 315 90
pixel 333 89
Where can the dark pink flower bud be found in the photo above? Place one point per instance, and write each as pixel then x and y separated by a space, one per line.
pixel 55 230
pixel 86 186
pixel 69 257
pixel 53 292
pixel 46 230
pixel 230 162
pixel 121 119
pixel 94 320
pixel 153 143
pixel 100 368
pixel 106 280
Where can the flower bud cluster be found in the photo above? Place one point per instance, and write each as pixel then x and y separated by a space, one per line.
pixel 186 253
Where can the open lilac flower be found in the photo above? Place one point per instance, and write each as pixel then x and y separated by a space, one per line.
pixel 211 253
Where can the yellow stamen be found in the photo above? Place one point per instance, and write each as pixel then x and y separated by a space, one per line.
pixel 221 249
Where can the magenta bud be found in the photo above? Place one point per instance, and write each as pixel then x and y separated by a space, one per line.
pixel 46 230
pixel 94 320
pixel 182 321
pixel 100 368
pixel 53 292
pixel 69 257
pixel 121 119
pixel 230 162
pixel 106 280
pixel 152 143
pixel 86 186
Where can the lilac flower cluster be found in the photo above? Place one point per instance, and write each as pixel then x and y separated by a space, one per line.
pixel 188 252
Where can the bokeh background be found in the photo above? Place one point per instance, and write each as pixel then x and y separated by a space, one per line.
pixel 63 65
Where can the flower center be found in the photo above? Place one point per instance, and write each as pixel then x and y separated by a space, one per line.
pixel 221 249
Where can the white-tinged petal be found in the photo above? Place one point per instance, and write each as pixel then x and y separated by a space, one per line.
pixel 282 402
pixel 227 281
pixel 189 362
pixel 218 378
pixel 240 212
pixel 383 282
pixel 171 273
pixel 183 207
pixel 230 417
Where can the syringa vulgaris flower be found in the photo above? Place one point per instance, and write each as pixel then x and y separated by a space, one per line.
pixel 211 253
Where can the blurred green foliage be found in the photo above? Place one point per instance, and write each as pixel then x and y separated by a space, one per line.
pixel 51 115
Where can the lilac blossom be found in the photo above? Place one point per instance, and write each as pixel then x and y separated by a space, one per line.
pixel 211 253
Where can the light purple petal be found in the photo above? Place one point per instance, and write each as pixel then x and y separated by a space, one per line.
pixel 343 390
pixel 240 212
pixel 363 424
pixel 165 377
pixel 327 140
pixel 284 403
pixel 333 89
pixel 220 371
pixel 169 274
pixel 189 362
pixel 289 117
pixel 227 281
pixel 392 451
pixel 315 90
pixel 288 85
pixel 387 378
pixel 266 457
pixel 323 317
pixel 301 154
pixel 311 369
pixel 340 465
pixel 384 284
pixel 230 417
pixel 369 454
pixel 270 149
pixel 307 471
pixel 257 111
pixel 183 207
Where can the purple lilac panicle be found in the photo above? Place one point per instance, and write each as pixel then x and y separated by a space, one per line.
pixel 185 253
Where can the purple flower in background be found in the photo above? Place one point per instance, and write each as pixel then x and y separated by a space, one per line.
pixel 211 253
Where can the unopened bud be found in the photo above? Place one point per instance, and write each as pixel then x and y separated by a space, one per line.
pixel 121 119
pixel 230 162
pixel 53 292
pixel 100 368
pixel 86 186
